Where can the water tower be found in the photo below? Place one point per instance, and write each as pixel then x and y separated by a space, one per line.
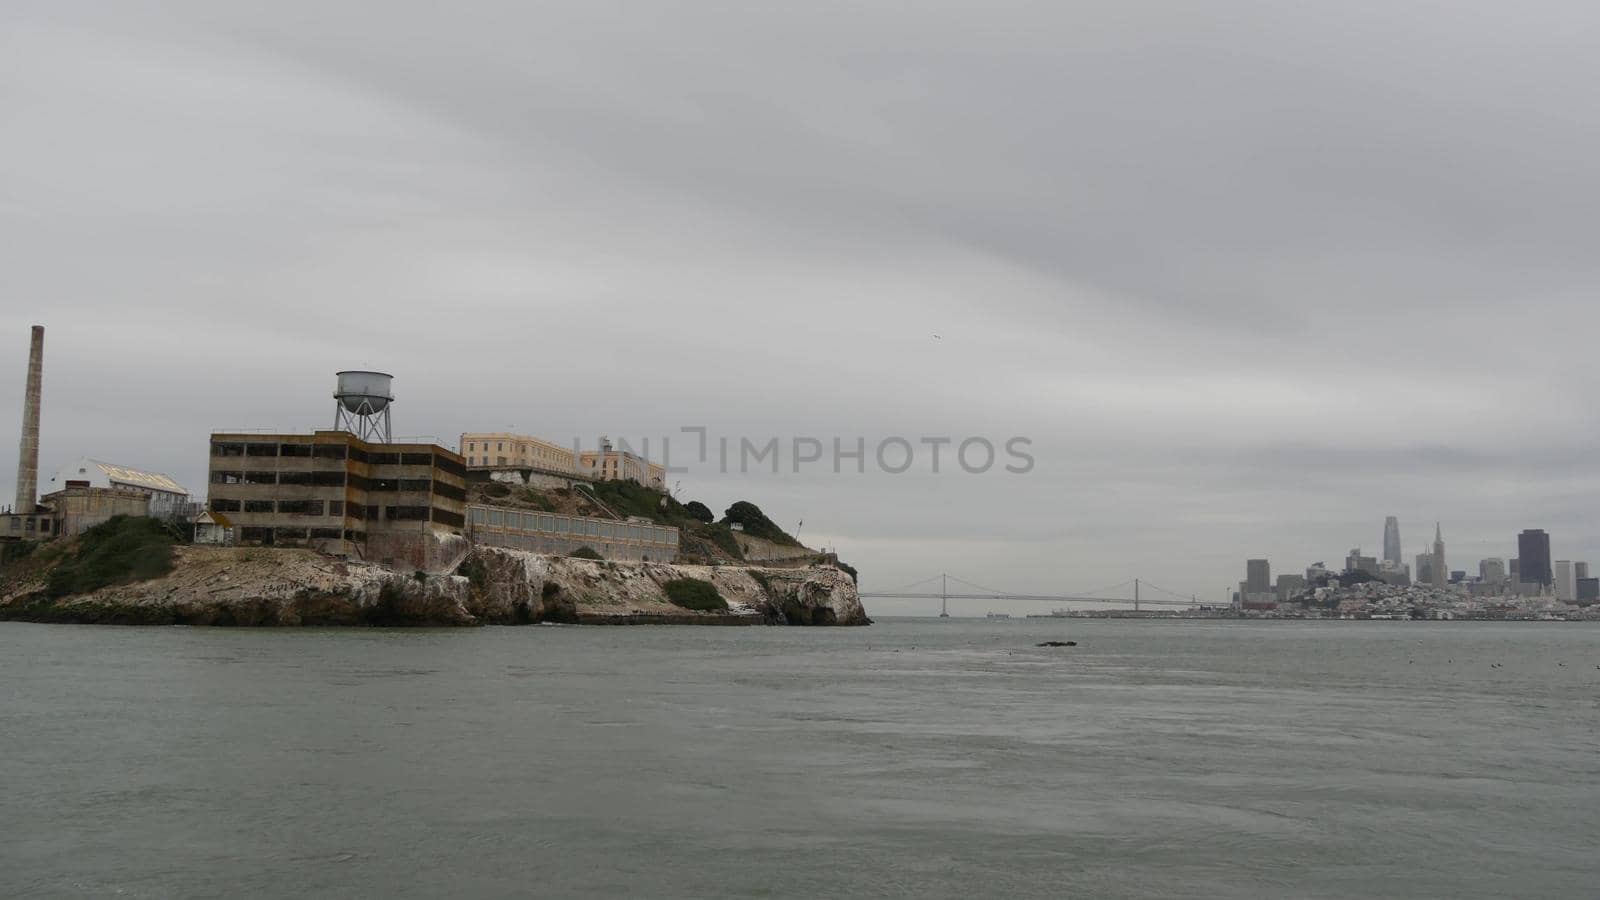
pixel 362 405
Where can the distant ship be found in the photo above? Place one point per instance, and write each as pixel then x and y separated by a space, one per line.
pixel 1052 614
pixel 998 616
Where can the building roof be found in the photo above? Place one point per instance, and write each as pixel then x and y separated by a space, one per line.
pixel 152 481
pixel 217 518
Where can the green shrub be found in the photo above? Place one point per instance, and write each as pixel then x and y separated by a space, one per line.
pixel 721 535
pixel 756 523
pixel 699 512
pixel 695 594
pixel 119 551
pixel 585 553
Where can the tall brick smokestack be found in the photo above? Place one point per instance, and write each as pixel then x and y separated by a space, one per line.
pixel 28 449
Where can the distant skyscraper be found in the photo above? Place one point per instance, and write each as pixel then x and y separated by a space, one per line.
pixel 1492 570
pixel 1566 584
pixel 1258 576
pixel 1533 554
pixel 1424 573
pixel 1355 562
pixel 1440 573
pixel 1580 569
pixel 1391 541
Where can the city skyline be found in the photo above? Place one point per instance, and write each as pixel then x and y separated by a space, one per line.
pixel 1433 567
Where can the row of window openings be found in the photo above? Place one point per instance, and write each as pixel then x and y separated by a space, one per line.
pixel 340 479
pixel 26 523
pixel 261 535
pixel 339 508
pixel 563 525
pixel 338 451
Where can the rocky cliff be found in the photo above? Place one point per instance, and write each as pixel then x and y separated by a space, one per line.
pixel 258 586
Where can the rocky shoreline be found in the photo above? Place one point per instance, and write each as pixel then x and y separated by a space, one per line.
pixel 491 586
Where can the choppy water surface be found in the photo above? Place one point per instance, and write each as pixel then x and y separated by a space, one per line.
pixel 915 758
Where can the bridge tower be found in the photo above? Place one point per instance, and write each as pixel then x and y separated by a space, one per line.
pixel 944 596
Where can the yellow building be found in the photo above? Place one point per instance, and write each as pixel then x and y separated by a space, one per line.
pixel 608 464
pixel 502 450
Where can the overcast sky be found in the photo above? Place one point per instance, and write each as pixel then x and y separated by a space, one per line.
pixel 1249 275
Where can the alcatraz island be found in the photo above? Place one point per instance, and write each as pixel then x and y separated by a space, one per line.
pixel 349 527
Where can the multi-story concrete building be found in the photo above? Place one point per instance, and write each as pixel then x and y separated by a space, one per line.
pixel 393 503
pixel 610 464
pixel 538 461
pixel 503 450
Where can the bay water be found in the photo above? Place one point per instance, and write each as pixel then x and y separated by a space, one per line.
pixel 913 758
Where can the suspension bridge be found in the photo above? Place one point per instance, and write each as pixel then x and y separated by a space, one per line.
pixel 1133 591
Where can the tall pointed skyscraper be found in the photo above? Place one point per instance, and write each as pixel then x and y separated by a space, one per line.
pixel 1441 575
pixel 1391 541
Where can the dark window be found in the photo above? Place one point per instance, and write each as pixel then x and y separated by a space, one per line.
pixel 335 507
pixel 226 477
pixel 295 477
pixel 218 504
pixel 326 534
pixel 327 479
pixel 251 535
pixel 416 484
pixel 261 478
pixel 385 459
pixel 260 449
pixel 359 482
pixel 446 517
pixel 223 449
pixel 356 511
pixel 449 490
pixel 294 450
pixel 290 534
pixel 372 512
pixel 358 454
pixel 384 484
pixel 416 459
pixel 330 451
pixel 258 506
pixel 407 513
pixel 446 464
pixel 353 535
pixel 300 507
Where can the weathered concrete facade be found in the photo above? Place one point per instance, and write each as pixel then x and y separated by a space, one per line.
pixel 559 535
pixel 77 508
pixel 336 493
